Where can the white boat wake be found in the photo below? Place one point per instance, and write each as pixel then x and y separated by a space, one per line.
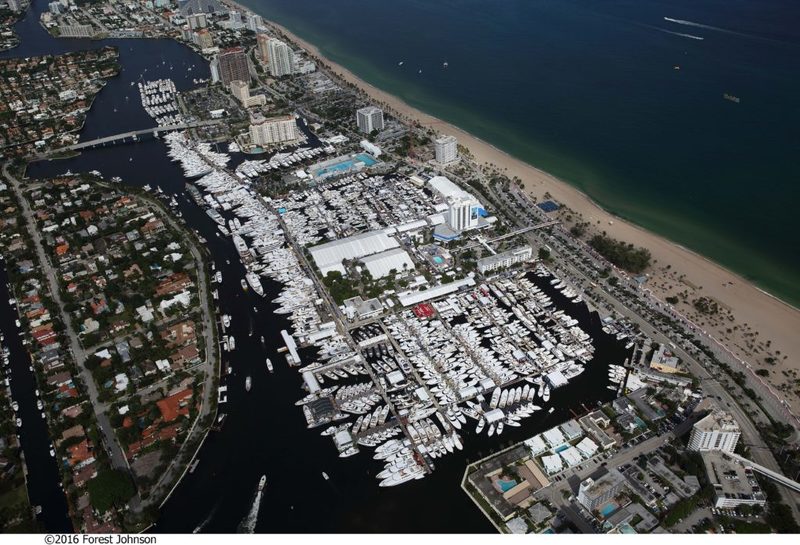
pixel 682 34
pixel 207 520
pixel 248 524
pixel 726 31
pixel 690 23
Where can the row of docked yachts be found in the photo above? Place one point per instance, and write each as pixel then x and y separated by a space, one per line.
pixel 255 167
pixel 372 420
pixel 403 457
pixel 261 243
pixel 616 375
pixel 566 290
pixel 196 158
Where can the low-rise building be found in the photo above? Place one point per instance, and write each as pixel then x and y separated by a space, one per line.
pixel 663 360
pixel 504 260
pixel 734 483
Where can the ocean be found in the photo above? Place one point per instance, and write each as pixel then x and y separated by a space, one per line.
pixel 588 91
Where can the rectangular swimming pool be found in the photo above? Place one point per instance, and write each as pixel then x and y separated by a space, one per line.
pixel 346 165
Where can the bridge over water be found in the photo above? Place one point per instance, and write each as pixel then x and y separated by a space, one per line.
pixel 134 135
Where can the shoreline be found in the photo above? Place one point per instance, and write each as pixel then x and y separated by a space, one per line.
pixel 759 316
pixel 430 121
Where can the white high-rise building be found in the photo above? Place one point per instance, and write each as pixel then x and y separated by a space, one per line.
pixel 463 212
pixel 254 22
pixel 241 90
pixel 234 20
pixel 446 149
pixel 463 209
pixel 273 130
pixel 717 431
pixel 369 119
pixel 281 58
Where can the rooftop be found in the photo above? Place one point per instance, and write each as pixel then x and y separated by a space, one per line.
pixel 718 420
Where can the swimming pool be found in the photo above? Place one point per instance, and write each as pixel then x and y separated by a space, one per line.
pixel 438 259
pixel 347 164
pixel 608 509
pixel 505 486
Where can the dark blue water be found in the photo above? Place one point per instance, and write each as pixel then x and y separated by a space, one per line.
pixel 587 90
pixel 265 433
pixel 43 479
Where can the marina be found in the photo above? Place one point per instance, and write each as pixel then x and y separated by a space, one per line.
pixel 405 380
pixel 218 493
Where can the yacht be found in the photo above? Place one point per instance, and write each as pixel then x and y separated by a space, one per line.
pixel 248 383
pixel 255 283
pixel 269 365
pixel 263 482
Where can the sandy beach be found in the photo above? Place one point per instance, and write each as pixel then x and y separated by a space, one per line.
pixel 757 327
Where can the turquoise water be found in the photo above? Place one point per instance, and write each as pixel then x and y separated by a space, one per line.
pixel 366 159
pixel 346 165
pixel 505 486
pixel 608 509
pixel 588 91
pixel 437 259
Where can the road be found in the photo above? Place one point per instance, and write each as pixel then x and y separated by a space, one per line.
pixel 208 367
pixel 115 452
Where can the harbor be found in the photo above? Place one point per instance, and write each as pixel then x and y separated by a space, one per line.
pixel 263 430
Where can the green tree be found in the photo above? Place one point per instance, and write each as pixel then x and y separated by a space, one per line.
pixel 111 488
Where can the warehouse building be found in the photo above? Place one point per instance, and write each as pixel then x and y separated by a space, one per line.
pixel 329 256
